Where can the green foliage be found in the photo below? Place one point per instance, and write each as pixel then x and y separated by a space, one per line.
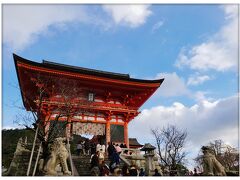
pixel 181 169
pixel 9 143
pixel 10 139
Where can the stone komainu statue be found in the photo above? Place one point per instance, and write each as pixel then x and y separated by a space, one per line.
pixel 211 166
pixel 59 155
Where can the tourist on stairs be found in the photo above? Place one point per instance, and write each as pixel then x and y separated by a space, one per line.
pixel 95 160
pixel 110 150
pixel 79 148
pixel 118 149
pixel 104 169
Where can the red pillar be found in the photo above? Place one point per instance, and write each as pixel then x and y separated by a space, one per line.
pixel 126 140
pixel 108 130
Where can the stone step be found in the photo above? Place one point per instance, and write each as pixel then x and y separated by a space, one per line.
pixel 82 164
pixel 22 161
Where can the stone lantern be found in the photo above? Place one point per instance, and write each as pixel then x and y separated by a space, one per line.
pixel 149 154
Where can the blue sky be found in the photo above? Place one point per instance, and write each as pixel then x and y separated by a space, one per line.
pixel 194 47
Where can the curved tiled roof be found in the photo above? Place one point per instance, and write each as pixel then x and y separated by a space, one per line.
pixel 88 71
pixel 134 142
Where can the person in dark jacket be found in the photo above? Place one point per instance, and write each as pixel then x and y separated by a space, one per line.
pixel 133 171
pixel 79 147
pixel 87 147
pixel 156 173
pixel 141 173
pixel 111 149
pixel 104 169
pixel 93 148
pixel 95 160
pixel 115 161
pixel 125 171
pixel 116 158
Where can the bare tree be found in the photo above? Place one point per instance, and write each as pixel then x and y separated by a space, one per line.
pixel 50 121
pixel 170 143
pixel 217 146
pixel 227 155
pixel 230 159
pixel 199 161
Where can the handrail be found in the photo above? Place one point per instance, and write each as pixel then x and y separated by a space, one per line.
pixel 30 160
pixel 35 167
pixel 130 150
pixel 124 160
pixel 70 156
pixel 124 155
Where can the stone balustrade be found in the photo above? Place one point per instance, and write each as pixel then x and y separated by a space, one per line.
pixel 135 156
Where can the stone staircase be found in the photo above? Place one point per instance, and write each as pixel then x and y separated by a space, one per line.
pixel 82 164
pixel 19 164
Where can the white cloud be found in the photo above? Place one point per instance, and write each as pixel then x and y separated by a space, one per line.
pixel 173 85
pixel 197 79
pixel 176 86
pixel 204 122
pixel 219 52
pixel 201 96
pixel 128 15
pixel 157 26
pixel 22 24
